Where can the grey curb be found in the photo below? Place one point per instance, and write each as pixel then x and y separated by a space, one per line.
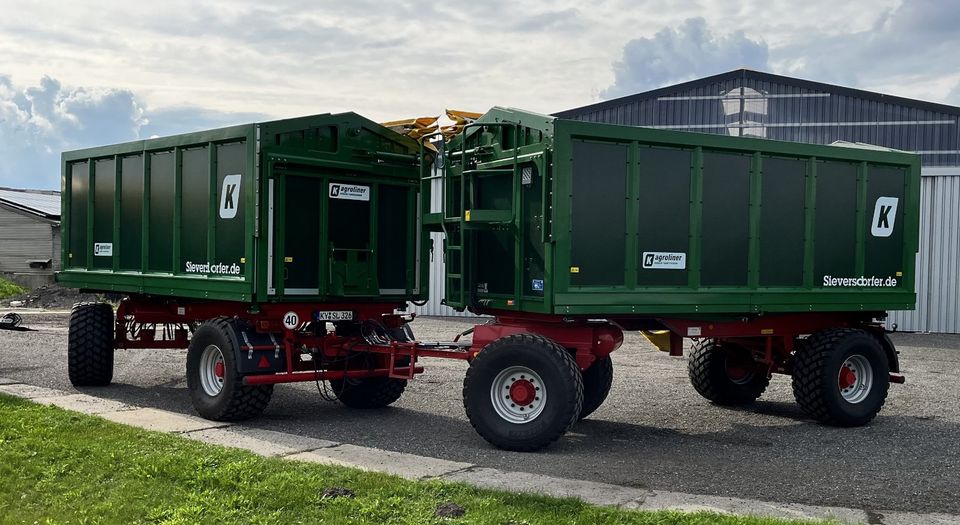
pixel 301 448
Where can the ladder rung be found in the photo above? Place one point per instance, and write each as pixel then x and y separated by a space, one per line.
pixel 495 171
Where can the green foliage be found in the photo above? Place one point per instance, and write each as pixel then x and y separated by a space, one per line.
pixel 9 289
pixel 64 467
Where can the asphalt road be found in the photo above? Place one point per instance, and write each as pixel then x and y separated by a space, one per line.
pixel 653 432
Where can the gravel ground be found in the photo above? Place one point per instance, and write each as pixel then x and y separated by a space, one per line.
pixel 653 432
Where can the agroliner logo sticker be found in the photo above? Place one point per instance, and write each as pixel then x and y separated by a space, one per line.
pixel 664 260
pixel 230 196
pixel 350 192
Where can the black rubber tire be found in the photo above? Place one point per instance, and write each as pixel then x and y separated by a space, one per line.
pixel 707 368
pixel 596 385
pixel 90 344
pixel 236 401
pixel 816 367
pixel 371 392
pixel 561 378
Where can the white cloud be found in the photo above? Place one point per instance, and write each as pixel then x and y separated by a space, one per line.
pixel 38 123
pixel 688 51
pixel 907 49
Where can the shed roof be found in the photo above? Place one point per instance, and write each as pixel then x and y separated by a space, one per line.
pixel 42 203
pixel 745 74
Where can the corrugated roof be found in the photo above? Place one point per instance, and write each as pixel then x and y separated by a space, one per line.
pixel 744 74
pixel 38 202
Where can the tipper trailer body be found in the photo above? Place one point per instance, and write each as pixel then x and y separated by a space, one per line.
pixel 775 257
pixel 568 217
pixel 305 209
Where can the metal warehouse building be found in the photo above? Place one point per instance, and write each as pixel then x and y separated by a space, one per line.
pixel 752 103
pixel 29 235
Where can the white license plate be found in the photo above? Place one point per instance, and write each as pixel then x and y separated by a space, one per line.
pixel 334 315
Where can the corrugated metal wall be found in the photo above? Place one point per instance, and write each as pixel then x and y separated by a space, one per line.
pixel 23 238
pixel 749 104
pixel 756 107
pixel 938 262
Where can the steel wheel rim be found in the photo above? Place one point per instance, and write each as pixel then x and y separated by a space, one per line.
pixel 855 379
pixel 509 391
pixel 210 380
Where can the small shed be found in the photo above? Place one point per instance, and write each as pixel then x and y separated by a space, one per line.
pixel 29 235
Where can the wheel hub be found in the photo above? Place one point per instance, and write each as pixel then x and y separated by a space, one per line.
pixel 522 392
pixel 855 379
pixel 518 394
pixel 847 378
pixel 212 370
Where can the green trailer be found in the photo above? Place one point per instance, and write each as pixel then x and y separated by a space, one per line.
pixel 774 257
pixel 305 209
pixel 246 245
pixel 286 251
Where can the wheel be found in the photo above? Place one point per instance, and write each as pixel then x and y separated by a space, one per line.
pixel 596 385
pixel 370 392
pixel 725 374
pixel 215 384
pixel 841 377
pixel 90 345
pixel 522 392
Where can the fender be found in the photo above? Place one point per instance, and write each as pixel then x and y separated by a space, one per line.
pixel 257 352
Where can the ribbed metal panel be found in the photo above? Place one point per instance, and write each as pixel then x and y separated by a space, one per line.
pixel 752 104
pixel 938 262
pixel 23 238
pixel 781 111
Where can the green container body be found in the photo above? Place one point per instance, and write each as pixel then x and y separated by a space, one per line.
pixel 556 216
pixel 318 208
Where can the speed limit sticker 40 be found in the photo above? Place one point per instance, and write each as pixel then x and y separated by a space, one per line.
pixel 291 320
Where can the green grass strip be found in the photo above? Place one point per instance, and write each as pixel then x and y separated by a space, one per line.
pixel 58 466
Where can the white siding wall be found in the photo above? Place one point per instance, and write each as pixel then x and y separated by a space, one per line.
pixel 437 265
pixel 57 252
pixel 24 238
pixel 938 261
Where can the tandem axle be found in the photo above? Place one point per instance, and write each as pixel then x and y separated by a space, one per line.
pixel 531 376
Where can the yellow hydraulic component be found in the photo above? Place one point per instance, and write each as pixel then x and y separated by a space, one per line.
pixel 413 127
pixel 460 119
pixel 420 127
pixel 659 338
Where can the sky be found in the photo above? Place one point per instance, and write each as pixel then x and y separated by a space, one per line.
pixel 78 74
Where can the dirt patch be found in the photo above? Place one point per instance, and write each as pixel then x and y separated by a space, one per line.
pixel 337 492
pixel 50 296
pixel 449 510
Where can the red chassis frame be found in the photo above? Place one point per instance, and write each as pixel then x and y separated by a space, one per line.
pixel 770 338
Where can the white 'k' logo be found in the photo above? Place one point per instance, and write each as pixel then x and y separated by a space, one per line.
pixel 230 196
pixel 884 216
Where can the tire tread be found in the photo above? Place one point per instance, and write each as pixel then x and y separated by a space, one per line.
pixel 596 389
pixel 808 386
pixel 569 369
pixel 90 344
pixel 243 401
pixel 701 368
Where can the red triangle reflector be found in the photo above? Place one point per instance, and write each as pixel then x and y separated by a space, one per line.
pixel 264 362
